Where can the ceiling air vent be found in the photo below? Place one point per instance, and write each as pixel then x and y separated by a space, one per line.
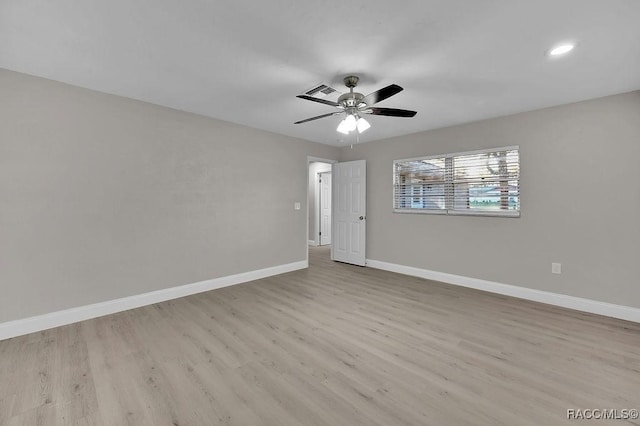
pixel 322 91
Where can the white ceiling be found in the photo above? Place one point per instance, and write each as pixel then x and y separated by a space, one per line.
pixel 245 61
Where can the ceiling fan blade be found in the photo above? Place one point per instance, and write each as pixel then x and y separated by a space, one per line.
pixel 382 94
pixel 391 112
pixel 320 116
pixel 322 101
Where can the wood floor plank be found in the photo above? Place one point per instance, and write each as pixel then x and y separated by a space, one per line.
pixel 334 344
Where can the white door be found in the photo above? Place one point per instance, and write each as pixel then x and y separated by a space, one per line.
pixel 325 208
pixel 349 212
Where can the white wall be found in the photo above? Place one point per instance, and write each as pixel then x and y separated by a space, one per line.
pixel 104 197
pixel 580 195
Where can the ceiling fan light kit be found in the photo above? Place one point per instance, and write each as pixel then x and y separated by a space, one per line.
pixel 354 104
pixel 351 123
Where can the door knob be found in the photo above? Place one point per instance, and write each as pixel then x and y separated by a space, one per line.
pixel 361 217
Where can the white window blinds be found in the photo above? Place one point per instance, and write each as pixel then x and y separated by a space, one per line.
pixel 483 182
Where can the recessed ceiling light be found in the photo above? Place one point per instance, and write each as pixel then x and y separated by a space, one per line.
pixel 562 49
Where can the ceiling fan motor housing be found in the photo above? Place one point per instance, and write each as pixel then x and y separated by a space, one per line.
pixel 351 100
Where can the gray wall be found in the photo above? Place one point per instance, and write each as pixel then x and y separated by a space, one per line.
pixel 580 187
pixel 105 197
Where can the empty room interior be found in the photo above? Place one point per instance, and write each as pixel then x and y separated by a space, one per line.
pixel 319 213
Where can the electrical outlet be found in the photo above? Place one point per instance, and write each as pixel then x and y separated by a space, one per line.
pixel 296 206
pixel 556 268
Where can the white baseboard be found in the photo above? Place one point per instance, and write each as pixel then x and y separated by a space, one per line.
pixel 68 316
pixel 585 305
pixel 312 243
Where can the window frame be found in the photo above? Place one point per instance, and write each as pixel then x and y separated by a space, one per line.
pixel 449 190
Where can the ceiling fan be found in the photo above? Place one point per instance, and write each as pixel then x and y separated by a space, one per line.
pixel 354 104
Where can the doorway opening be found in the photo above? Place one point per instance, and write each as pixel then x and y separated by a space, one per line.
pixel 324 208
pixel 342 214
pixel 319 203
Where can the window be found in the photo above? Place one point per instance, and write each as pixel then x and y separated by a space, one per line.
pixel 483 182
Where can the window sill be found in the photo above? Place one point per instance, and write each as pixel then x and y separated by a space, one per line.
pixel 507 213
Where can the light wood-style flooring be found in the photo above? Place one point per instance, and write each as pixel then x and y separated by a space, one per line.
pixel 332 345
